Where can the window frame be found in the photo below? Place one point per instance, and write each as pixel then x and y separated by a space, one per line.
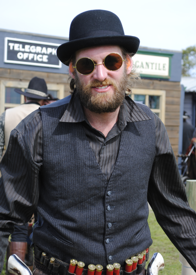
pixel 148 93
pixel 23 85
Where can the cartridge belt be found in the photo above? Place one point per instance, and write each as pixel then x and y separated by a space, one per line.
pixel 53 266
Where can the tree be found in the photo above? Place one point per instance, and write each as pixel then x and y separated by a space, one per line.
pixel 189 61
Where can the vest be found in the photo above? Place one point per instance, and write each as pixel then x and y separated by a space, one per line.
pixel 13 117
pixel 85 216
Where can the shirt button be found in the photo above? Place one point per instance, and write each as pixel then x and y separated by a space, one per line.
pixel 109 193
pixel 107 240
pixel 109 224
pixel 108 207
pixel 110 258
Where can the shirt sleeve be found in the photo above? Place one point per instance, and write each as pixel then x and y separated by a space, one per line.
pixel 2 134
pixel 167 197
pixel 19 184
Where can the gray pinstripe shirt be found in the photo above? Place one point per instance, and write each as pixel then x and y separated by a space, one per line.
pixel 166 194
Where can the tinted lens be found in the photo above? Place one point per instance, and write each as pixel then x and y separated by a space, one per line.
pixel 85 66
pixel 113 61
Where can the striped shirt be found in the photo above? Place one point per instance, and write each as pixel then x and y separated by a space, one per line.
pixel 166 193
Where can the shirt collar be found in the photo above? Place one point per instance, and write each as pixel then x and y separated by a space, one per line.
pixel 74 112
pixel 129 111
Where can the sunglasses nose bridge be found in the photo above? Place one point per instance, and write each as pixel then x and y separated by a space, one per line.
pixel 99 64
pixel 100 72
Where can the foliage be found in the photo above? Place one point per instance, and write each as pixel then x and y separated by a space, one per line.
pixel 189 61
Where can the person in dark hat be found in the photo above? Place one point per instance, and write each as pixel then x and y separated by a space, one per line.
pixel 80 164
pixel 188 133
pixel 35 96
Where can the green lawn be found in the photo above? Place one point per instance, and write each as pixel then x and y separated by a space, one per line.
pixel 163 245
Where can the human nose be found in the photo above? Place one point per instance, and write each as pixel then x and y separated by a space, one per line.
pixel 100 72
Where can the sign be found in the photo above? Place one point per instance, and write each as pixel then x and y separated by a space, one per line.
pixel 29 52
pixel 149 65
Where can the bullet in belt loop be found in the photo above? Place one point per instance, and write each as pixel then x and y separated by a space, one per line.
pixel 135 260
pixel 72 266
pixel 99 269
pixel 42 257
pixel 79 268
pixel 128 265
pixel 116 268
pixel 140 258
pixel 91 269
pixel 109 269
pixel 52 261
pixel 147 254
pixel 46 260
pixel 144 255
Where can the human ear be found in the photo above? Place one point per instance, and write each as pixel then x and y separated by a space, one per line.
pixel 71 70
pixel 129 64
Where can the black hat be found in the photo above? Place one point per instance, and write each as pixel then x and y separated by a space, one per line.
pixel 37 89
pixel 185 115
pixel 96 28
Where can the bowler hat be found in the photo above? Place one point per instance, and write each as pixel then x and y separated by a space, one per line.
pixel 37 89
pixel 96 28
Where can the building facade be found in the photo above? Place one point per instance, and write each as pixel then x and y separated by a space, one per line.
pixel 189 85
pixel 25 55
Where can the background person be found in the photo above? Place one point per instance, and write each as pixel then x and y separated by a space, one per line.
pixel 35 96
pixel 80 165
pixel 188 133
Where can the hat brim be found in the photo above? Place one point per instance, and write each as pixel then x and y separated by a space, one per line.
pixel 30 95
pixel 66 50
pixel 185 117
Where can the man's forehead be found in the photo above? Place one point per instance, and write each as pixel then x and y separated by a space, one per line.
pixel 98 51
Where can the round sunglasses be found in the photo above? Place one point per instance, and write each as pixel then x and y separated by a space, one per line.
pixel 112 62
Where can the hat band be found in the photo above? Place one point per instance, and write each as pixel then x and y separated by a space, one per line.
pixel 98 33
pixel 35 92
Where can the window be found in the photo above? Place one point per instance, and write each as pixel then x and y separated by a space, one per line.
pixel 154 99
pixel 53 93
pixel 9 98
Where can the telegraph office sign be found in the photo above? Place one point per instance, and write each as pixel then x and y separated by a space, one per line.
pixel 29 52
pixel 152 64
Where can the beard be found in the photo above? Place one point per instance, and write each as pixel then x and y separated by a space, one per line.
pixel 102 102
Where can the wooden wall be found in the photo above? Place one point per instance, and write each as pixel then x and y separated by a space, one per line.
pixel 172 106
pixel 26 76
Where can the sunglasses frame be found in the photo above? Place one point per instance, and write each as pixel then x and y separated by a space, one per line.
pixel 103 63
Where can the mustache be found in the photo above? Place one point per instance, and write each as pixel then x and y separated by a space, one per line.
pixel 96 83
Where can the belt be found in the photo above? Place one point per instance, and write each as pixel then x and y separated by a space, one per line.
pixel 54 266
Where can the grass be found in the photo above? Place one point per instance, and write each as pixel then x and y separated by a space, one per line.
pixel 161 244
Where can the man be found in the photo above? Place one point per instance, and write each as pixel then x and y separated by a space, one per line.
pixel 34 97
pixel 80 163
pixel 188 132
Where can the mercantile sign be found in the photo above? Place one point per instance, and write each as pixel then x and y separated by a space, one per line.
pixel 154 65
pixel 29 52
